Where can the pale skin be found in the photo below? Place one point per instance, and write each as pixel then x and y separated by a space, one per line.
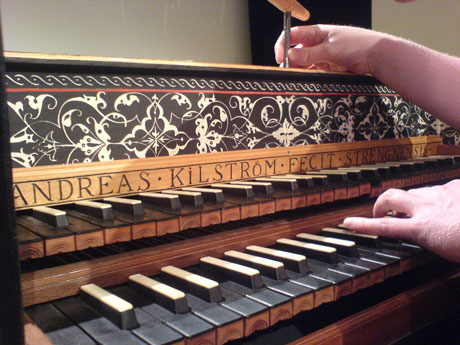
pixel 425 77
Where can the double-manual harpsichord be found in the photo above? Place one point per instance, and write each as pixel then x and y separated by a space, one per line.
pixel 183 203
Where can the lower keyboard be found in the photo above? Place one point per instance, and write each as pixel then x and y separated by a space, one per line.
pixel 249 287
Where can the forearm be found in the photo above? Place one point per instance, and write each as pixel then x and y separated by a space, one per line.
pixel 425 77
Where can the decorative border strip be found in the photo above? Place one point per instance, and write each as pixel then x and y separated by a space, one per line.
pixel 49 80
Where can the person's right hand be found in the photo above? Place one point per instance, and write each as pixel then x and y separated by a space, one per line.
pixel 330 47
pixel 431 218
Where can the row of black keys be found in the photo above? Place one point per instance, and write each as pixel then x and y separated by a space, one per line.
pixel 183 304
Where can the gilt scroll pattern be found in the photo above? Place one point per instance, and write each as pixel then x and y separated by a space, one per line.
pixel 75 119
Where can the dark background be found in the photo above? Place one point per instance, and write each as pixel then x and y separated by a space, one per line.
pixel 266 22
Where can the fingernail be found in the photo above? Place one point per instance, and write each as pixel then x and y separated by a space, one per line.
pixel 348 222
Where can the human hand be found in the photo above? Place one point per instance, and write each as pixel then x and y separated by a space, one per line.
pixel 433 218
pixel 330 47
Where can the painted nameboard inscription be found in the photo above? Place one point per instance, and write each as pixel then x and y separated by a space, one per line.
pixel 94 186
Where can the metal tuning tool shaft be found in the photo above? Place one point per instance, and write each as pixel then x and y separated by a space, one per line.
pixel 290 8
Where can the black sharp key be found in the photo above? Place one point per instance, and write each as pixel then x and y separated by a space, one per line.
pixel 392 247
pixel 395 168
pixel 151 330
pixel 215 196
pixel 360 239
pixel 96 209
pixel 57 326
pixel 367 172
pixel 211 312
pixel 130 206
pixel 297 269
pixel 343 247
pixel 187 324
pixel 384 171
pixel 261 295
pixel 117 310
pixel 334 176
pixel 260 188
pixel 297 264
pixel 321 257
pixel 241 274
pixel 273 274
pixel 166 296
pixel 347 250
pixel 235 190
pixel 371 248
pixel 288 184
pixel 319 180
pixel 166 201
pixel 204 288
pixel 267 267
pixel 353 174
pixel 187 197
pixel 53 217
pixel 82 222
pixel 294 262
pixel 310 250
pixel 236 302
pixel 304 181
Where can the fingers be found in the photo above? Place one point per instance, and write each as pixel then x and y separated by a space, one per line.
pixel 279 49
pixel 396 200
pixel 384 227
pixel 307 36
pixel 309 56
